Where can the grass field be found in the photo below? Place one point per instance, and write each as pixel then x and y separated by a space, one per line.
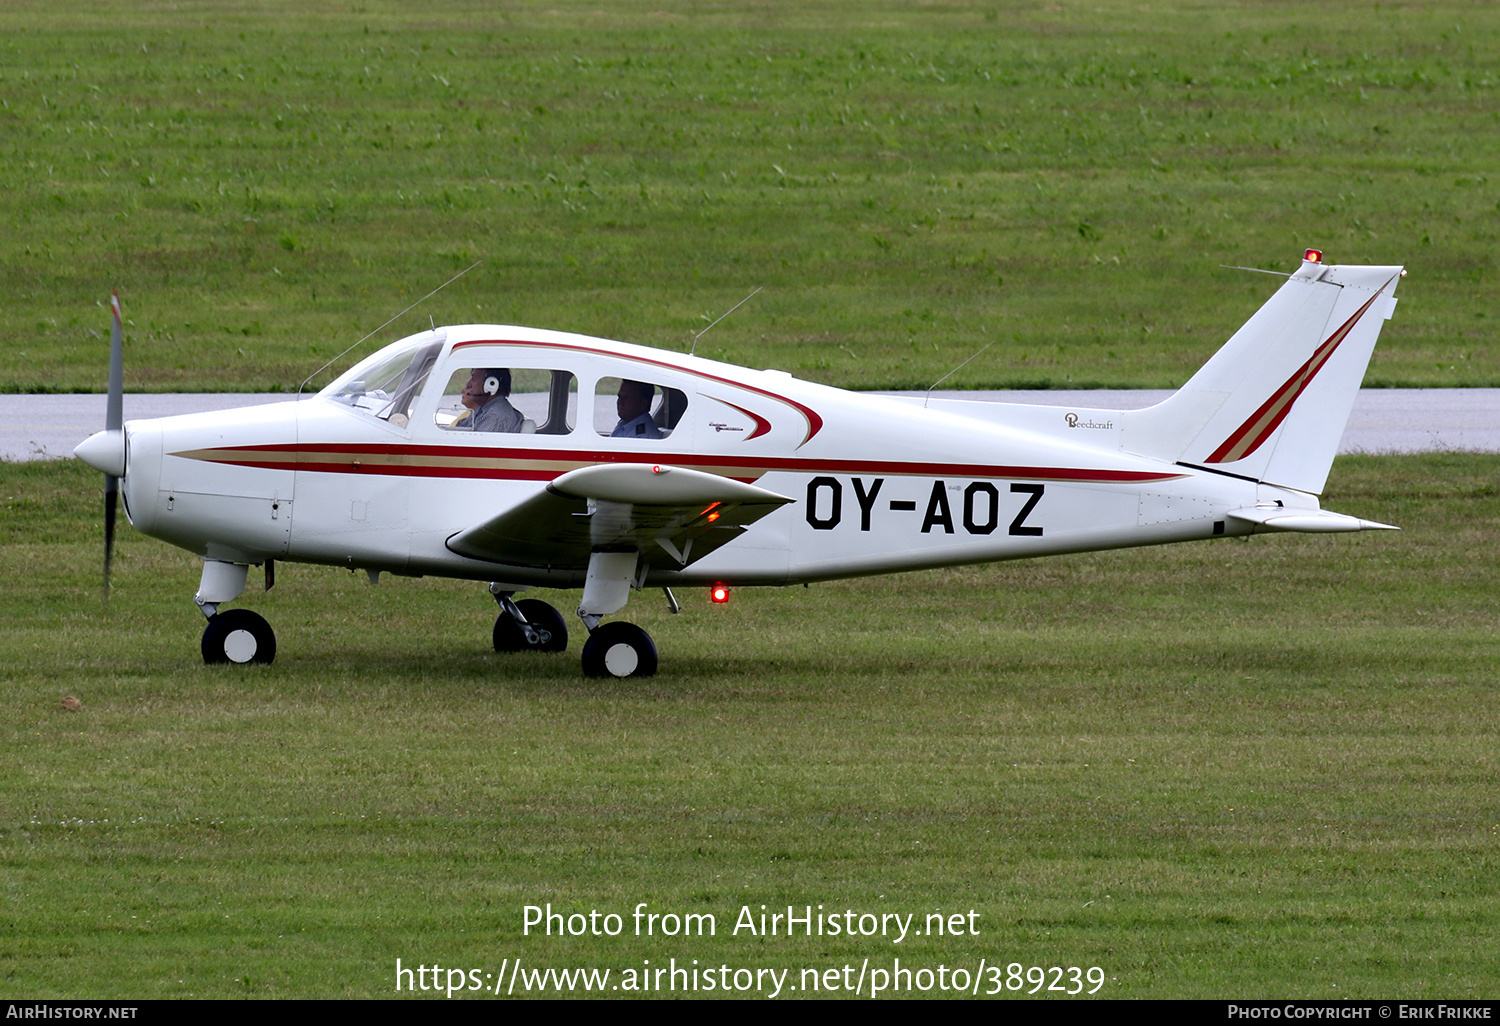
pixel 1258 769
pixel 1254 769
pixel 266 182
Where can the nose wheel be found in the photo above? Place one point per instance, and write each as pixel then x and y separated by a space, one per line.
pixel 619 649
pixel 238 636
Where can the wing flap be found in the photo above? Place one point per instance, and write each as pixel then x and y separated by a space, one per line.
pixel 672 516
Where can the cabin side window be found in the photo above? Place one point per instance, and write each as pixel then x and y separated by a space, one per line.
pixel 509 400
pixel 631 408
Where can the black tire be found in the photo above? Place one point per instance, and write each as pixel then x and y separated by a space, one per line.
pixel 510 637
pixel 619 650
pixel 238 636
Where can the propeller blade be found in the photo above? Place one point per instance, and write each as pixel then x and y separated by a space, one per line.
pixel 111 496
pixel 114 420
pixel 114 412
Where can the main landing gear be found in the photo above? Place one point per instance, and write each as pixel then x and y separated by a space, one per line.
pixel 529 625
pixel 619 649
pixel 613 649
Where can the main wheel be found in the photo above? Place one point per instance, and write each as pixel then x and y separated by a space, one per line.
pixel 619 650
pixel 238 636
pixel 549 631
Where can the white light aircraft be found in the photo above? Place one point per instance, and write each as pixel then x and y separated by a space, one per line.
pixel 531 458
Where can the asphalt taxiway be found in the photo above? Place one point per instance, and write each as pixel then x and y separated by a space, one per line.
pixel 1385 420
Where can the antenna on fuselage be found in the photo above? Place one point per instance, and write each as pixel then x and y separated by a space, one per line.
pixel 361 342
pixel 725 314
pixel 950 374
pixel 1257 270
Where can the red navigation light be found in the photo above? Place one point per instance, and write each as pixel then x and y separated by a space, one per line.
pixel 719 593
pixel 1313 255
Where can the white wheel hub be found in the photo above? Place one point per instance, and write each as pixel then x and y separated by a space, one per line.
pixel 240 646
pixel 621 660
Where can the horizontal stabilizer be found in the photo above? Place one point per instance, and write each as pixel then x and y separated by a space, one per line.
pixel 1313 521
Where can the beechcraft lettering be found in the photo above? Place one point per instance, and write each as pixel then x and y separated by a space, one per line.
pixel 974 507
pixel 523 458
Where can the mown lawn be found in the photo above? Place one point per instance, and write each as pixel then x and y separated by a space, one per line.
pixel 267 182
pixel 1254 769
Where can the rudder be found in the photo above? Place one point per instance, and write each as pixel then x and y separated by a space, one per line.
pixel 1271 405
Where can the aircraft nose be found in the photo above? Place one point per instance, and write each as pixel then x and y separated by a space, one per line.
pixel 104 451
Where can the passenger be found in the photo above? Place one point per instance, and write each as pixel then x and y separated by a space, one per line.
pixel 486 396
pixel 633 404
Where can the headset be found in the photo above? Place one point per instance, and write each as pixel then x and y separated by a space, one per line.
pixel 496 381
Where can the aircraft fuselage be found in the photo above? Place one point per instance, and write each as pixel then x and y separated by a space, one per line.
pixel 878 484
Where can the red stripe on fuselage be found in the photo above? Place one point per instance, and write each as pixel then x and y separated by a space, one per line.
pixel 395 460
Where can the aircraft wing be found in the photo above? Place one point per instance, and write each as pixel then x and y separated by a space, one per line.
pixel 672 516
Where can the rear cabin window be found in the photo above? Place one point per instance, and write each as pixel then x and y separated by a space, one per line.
pixel 509 400
pixel 640 410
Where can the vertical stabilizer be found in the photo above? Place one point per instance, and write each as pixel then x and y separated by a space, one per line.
pixel 1271 405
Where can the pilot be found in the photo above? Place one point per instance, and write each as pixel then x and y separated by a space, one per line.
pixel 486 396
pixel 633 404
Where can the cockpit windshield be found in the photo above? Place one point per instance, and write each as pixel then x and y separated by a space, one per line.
pixel 386 384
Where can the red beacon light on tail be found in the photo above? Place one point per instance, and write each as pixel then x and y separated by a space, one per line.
pixel 1314 256
pixel 719 593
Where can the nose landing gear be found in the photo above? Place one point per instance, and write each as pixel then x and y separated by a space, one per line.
pixel 238 636
pixel 234 635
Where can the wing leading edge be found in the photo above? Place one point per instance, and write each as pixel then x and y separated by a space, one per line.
pixel 672 516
